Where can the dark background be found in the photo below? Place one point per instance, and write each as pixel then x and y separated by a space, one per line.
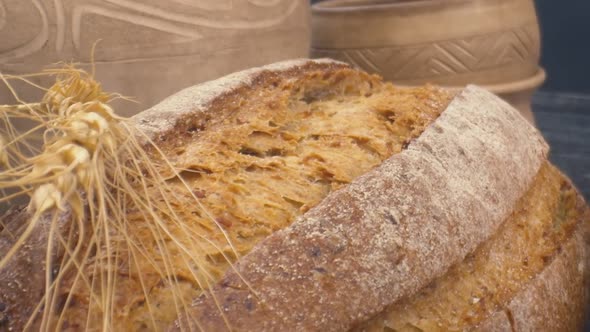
pixel 565 31
pixel 562 106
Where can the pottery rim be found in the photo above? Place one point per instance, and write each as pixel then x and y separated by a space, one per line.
pixel 529 83
pixel 352 6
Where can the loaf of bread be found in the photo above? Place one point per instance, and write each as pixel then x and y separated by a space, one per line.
pixel 329 200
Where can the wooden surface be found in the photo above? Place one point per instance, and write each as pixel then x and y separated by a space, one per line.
pixel 564 120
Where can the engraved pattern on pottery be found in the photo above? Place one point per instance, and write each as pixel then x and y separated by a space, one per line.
pixel 448 57
pixel 24 28
pixel 128 29
pixel 2 15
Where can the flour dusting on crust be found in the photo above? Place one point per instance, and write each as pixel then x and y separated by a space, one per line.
pixel 391 231
pixel 162 118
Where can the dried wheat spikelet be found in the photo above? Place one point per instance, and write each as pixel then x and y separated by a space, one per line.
pixel 3 152
pixel 93 170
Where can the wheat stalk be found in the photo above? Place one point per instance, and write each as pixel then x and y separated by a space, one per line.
pixel 93 167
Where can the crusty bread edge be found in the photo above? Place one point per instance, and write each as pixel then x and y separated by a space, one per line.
pixel 23 277
pixel 556 299
pixel 164 116
pixel 19 295
pixel 477 127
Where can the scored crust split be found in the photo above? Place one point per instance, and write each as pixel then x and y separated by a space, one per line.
pixel 356 205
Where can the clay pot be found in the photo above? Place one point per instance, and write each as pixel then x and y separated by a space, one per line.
pixel 450 43
pixel 519 93
pixel 149 49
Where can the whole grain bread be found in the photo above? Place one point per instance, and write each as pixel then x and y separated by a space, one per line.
pixel 435 189
pixel 23 278
pixel 391 231
pixel 519 256
pixel 556 299
pixel 257 149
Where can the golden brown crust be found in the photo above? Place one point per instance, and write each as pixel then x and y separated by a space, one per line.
pixel 390 232
pixel 177 117
pixel 382 238
pixel 294 137
pixel 300 130
pixel 544 219
pixel 556 299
